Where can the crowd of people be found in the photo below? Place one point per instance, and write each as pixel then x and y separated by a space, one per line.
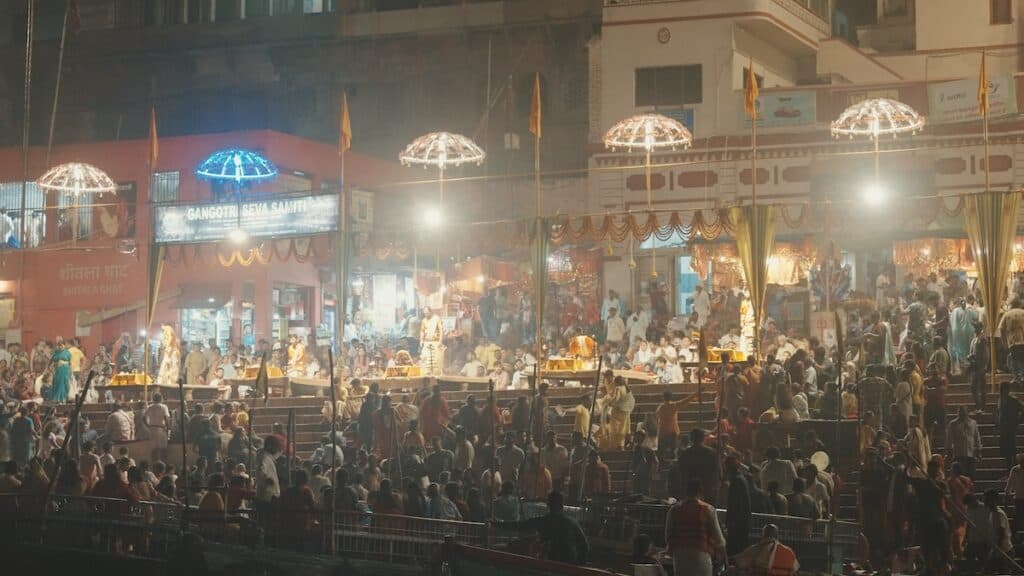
pixel 411 454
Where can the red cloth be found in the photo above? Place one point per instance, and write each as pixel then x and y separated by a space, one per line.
pixel 744 435
pixel 434 417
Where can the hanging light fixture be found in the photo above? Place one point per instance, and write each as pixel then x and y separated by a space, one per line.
pixel 648 132
pixel 874 118
pixel 441 150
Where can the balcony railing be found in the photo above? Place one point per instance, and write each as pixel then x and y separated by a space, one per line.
pixel 818 8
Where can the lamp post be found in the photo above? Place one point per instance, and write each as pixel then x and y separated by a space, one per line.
pixel 76 179
pixel 441 150
pixel 874 118
pixel 648 132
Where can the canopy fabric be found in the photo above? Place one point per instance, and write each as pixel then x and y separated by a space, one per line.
pixel 156 272
pixel 539 255
pixel 991 220
pixel 755 239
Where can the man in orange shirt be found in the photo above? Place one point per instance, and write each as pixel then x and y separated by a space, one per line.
pixel 692 534
pixel 667 419
pixel 769 557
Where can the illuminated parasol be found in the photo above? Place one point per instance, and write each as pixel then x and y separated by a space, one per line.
pixel 648 132
pixel 441 150
pixel 874 118
pixel 76 179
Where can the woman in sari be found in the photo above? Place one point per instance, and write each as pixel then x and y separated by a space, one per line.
pixel 616 407
pixel 61 386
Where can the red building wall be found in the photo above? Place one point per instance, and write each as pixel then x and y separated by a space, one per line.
pixel 57 281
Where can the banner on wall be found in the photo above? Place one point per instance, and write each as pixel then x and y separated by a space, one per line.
pixel 784 109
pixel 957 101
pixel 273 218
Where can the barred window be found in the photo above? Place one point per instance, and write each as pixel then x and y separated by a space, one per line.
pixel 35 202
pixel 165 188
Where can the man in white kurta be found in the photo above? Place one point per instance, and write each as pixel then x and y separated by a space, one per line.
pixel 431 348
pixel 701 305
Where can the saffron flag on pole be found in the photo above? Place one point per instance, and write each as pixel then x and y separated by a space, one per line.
pixel 154 143
pixel 535 112
pixel 983 88
pixel 345 130
pixel 751 91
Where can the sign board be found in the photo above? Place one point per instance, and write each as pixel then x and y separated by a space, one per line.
pixel 683 116
pixel 957 101
pixel 290 216
pixel 784 109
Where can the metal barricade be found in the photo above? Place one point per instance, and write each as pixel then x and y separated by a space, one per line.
pixel 402 539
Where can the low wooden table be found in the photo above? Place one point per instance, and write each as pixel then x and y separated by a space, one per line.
pixel 302 386
pixel 273 384
pixel 587 378
pixel 138 391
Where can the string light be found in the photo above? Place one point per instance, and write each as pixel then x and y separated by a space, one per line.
pixel 648 132
pixel 237 165
pixel 77 178
pixel 876 117
pixel 442 150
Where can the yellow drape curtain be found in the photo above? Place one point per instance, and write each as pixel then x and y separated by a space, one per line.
pixel 754 228
pixel 991 220
pixel 156 272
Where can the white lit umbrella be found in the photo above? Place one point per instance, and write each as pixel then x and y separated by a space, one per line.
pixel 648 132
pixel 441 150
pixel 76 179
pixel 874 118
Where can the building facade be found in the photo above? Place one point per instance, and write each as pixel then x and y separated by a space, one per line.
pixel 687 59
pixel 94 285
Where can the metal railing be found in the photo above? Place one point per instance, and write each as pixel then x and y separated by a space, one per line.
pixel 154 529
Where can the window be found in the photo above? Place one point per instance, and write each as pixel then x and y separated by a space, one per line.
pixel 746 74
pixel 165 187
pixel 1001 11
pixel 35 201
pixel 668 86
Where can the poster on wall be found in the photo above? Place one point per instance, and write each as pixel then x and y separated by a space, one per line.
pixel 784 109
pixel 957 101
pixel 116 213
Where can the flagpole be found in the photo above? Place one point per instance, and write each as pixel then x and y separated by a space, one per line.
pixel 60 70
pixel 334 451
pixel 752 88
pixel 993 306
pixel 151 299
pixel 535 121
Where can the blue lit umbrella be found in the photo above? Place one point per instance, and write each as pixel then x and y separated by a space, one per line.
pixel 237 165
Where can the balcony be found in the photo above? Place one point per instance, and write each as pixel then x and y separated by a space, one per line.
pixel 780 21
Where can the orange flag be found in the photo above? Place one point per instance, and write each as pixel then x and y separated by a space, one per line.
pixel 154 143
pixel 983 88
pixel 345 130
pixel 535 114
pixel 751 92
